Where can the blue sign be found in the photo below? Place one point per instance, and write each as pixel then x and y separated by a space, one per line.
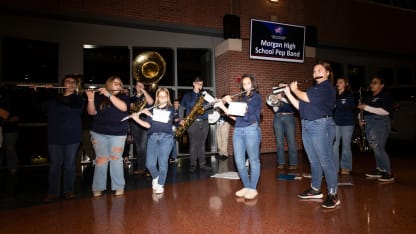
pixel 276 41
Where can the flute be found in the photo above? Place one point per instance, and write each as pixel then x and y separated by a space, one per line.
pixel 212 103
pixel 136 113
pixel 277 90
pixel 94 88
pixel 41 86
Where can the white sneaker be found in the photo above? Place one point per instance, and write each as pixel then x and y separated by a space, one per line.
pixel 119 192
pixel 97 193
pixel 155 182
pixel 250 194
pixel 241 192
pixel 159 189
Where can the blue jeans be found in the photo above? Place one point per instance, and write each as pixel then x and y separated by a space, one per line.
pixel 108 150
pixel 247 139
pixel 284 125
pixel 343 134
pixel 318 137
pixel 173 153
pixel 62 155
pixel 159 146
pixel 377 129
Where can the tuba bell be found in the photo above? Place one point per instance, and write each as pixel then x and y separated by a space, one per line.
pixel 148 68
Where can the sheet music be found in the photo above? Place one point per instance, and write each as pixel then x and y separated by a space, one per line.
pixel 237 108
pixel 161 115
pixel 208 97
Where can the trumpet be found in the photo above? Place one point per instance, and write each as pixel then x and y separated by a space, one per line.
pixel 273 100
pixel 137 113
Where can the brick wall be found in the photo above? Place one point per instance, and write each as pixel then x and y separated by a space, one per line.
pixel 232 65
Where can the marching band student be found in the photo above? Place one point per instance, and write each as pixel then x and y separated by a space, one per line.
pixel 344 126
pixel 108 134
pixel 140 97
pixel 247 136
pixel 64 136
pixel 198 130
pixel 284 125
pixel 377 109
pixel 159 137
pixel 318 131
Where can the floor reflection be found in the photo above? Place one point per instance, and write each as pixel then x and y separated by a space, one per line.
pixel 198 203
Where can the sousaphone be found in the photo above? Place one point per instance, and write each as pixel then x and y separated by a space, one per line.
pixel 149 67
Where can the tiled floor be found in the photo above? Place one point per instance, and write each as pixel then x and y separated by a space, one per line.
pixel 196 203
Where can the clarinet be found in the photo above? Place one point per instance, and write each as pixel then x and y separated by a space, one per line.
pixel 362 141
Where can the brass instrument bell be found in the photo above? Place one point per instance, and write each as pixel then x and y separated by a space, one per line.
pixel 149 67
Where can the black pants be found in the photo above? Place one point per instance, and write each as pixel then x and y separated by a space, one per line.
pixel 197 132
pixel 139 134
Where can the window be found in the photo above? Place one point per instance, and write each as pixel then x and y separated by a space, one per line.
pixel 404 76
pixel 30 61
pixel 104 61
pixel 356 76
pixel 387 75
pixel 192 63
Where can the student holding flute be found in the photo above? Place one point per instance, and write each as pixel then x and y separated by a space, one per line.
pixel 247 136
pixel 318 131
pixel 64 112
pixel 158 122
pixel 108 105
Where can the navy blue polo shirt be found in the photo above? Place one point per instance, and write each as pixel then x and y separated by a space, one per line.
pixel 321 101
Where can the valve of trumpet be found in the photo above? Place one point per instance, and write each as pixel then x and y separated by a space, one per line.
pixel 273 100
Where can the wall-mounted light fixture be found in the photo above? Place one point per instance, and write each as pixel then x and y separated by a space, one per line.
pixel 274 1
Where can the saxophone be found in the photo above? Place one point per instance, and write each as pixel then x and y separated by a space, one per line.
pixel 138 105
pixel 197 109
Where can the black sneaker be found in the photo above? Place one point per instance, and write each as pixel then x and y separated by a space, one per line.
pixel 331 201
pixel 374 174
pixel 69 195
pixel 310 193
pixel 192 169
pixel 386 177
pixel 205 168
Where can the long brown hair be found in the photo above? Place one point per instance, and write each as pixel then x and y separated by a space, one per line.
pixel 108 85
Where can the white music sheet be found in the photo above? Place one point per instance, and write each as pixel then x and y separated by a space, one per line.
pixel 161 115
pixel 237 108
